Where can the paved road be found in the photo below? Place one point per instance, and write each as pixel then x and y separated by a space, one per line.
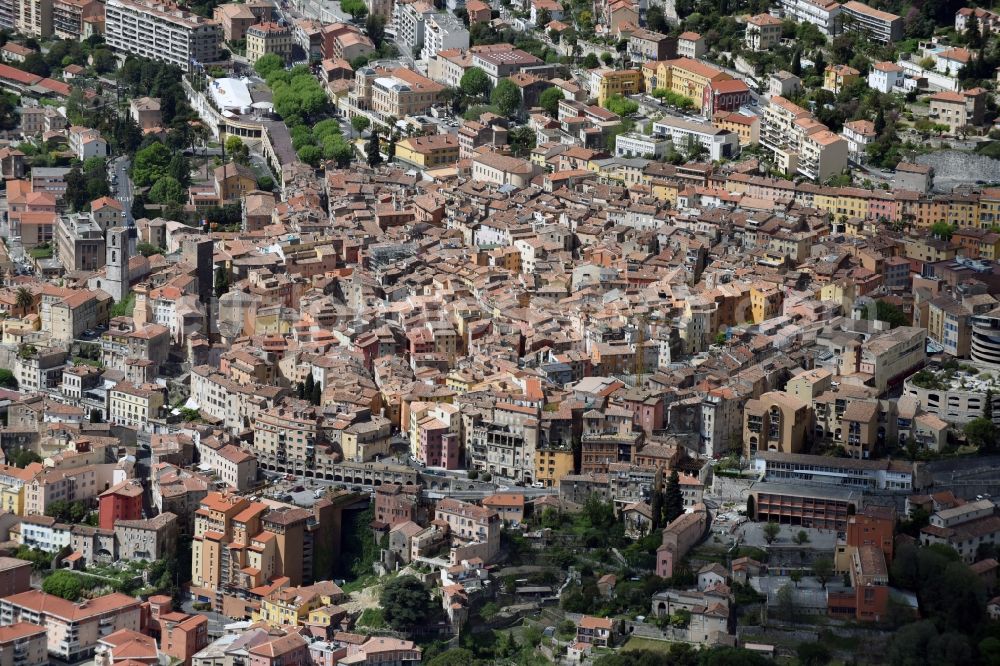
pixel 123 188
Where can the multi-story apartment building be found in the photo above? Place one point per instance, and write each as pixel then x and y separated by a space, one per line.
pixel 135 405
pixel 23 644
pixel 161 32
pixel 72 629
pixel 410 20
pixel 876 25
pixel 746 127
pixel 645 45
pixel 287 436
pixel 81 242
pixel 886 77
pixel 965 528
pixel 890 357
pixel 775 422
pixel 474 530
pixel 824 14
pixel 124 341
pixel 799 142
pixel 12 482
pixel 236 404
pixel 70 17
pixel 266 38
pixel 34 17
pixel 234 18
pixel 443 31
pixel 958 109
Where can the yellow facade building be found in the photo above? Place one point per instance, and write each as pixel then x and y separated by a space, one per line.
pixel 619 82
pixel 552 465
pixel 765 301
pixel 429 152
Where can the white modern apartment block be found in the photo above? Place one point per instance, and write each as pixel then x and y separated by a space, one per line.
pixel 879 26
pixel 161 32
pixel 443 31
pixel 824 14
pixel 410 20
pixel 800 143
pixel 634 144
pixel 720 143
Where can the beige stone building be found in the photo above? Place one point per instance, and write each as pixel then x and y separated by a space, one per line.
pixel 267 38
pixel 775 422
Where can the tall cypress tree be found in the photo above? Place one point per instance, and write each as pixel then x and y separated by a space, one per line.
pixel 673 499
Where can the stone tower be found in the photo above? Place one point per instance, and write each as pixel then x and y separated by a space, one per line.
pixel 116 281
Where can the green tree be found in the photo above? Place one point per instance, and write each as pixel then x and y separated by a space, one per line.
pixel 786 602
pixel 521 140
pixel 310 154
pixel 356 8
pixel 150 164
pixel 506 97
pixel 981 433
pixel 167 190
pixel 771 530
pixel 35 63
pixel 822 570
pixel 475 83
pixel 221 281
pixel 7 379
pixel 374 150
pixel 549 100
pixel 453 657
pixel 375 27
pixel 656 502
pixel 988 406
pixel 104 61
pixel 24 300
pixel 360 123
pixel 25 457
pixel 148 249
pixel 316 396
pixel 942 230
pixel 406 603
pixel 673 499
pixel 812 654
pixel 607 58
pixel 590 61
pixel 76 188
pixel 390 148
pixel 796 66
pixel 63 584
pixel 796 576
pixel 621 106
pixel 802 538
pixel 139 207
pixel 268 64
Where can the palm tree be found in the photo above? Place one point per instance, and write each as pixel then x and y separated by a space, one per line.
pixel 23 300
